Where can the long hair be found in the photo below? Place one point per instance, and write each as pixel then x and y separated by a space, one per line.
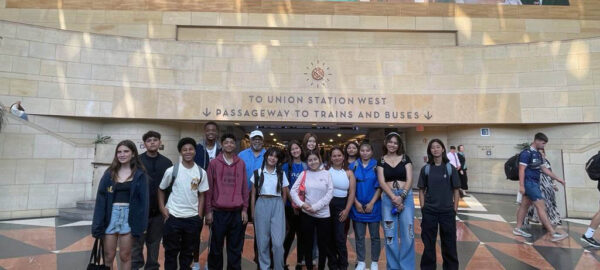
pixel 290 160
pixel 344 162
pixel 365 143
pixel 279 154
pixel 305 149
pixel 134 164
pixel 316 153
pixel 430 155
pixel 391 135
pixel 357 156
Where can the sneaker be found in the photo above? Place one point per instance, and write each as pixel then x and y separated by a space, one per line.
pixel 374 265
pixel 520 232
pixel 558 236
pixel 590 241
pixel 360 266
pixel 196 266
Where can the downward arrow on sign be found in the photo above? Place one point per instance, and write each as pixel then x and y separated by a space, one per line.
pixel 206 112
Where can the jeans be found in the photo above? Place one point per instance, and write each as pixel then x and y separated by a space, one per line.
pixel 323 234
pixel 360 230
pixel 399 254
pixel 119 220
pixel 152 240
pixel 180 237
pixel 429 229
pixel 226 226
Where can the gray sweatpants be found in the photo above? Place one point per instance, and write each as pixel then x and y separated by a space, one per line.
pixel 269 226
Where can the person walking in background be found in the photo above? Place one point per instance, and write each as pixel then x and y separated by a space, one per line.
pixel 394 173
pixel 453 157
pixel 227 206
pixel 439 185
pixel 530 169
pixel 366 212
pixel 344 186
pixel 156 165
pixel 121 209
pixel 462 173
pixel 18 110
pixel 548 188
pixel 182 187
pixel 270 186
pixel 293 168
pixel 313 193
pixel 587 238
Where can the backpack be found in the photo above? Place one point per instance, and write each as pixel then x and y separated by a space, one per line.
pixel 258 186
pixel 592 167
pixel 511 168
pixel 173 177
pixel 427 168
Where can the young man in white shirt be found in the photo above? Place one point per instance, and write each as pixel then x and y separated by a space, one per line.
pixel 186 182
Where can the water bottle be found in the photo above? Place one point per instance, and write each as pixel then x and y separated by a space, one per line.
pixel 395 211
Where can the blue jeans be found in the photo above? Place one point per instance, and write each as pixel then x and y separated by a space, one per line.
pixel 400 254
pixel 119 220
pixel 360 230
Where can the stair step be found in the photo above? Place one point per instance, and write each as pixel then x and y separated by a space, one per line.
pixel 86 205
pixel 76 214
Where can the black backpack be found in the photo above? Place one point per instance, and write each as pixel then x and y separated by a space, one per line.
pixel 511 168
pixel 592 167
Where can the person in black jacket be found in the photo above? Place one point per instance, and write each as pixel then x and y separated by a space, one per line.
pixel 121 210
pixel 156 165
pixel 462 172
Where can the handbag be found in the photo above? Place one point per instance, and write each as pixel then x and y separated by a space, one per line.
pixel 97 258
pixel 301 190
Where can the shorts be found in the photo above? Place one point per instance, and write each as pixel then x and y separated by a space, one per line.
pixel 119 220
pixel 532 190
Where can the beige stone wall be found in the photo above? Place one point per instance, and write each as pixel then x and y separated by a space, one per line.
pixel 41 171
pixel 67 73
pixel 163 24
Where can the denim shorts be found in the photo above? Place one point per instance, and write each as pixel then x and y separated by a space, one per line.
pixel 532 190
pixel 119 217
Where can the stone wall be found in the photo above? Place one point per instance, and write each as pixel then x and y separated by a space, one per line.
pixel 41 171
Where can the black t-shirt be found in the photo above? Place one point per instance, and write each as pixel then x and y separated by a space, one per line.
pixel 394 173
pixel 439 187
pixel 155 168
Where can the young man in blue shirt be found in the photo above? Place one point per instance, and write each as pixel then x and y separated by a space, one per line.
pixel 531 164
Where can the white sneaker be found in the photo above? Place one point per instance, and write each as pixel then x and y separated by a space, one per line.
pixel 196 266
pixel 520 232
pixel 558 236
pixel 360 266
pixel 374 265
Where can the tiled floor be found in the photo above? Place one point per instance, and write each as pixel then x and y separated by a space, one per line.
pixel 484 226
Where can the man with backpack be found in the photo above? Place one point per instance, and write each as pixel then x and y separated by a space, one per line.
pixel 530 167
pixel 183 187
pixel 156 165
pixel 592 168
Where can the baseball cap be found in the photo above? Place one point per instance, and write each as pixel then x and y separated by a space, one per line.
pixel 256 133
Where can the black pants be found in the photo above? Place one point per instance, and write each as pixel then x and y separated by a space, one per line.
pixel 338 238
pixel 292 230
pixel 152 241
pixel 464 180
pixel 429 228
pixel 180 237
pixel 226 226
pixel 324 231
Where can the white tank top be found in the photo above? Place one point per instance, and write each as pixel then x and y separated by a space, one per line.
pixel 341 183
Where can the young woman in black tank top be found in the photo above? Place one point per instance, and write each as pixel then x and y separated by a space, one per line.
pixel 394 172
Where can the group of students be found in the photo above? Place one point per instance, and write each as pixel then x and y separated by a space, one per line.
pixel 289 194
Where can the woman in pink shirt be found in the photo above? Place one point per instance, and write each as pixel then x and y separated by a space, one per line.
pixel 318 192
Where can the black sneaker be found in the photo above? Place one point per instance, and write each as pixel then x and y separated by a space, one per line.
pixel 590 241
